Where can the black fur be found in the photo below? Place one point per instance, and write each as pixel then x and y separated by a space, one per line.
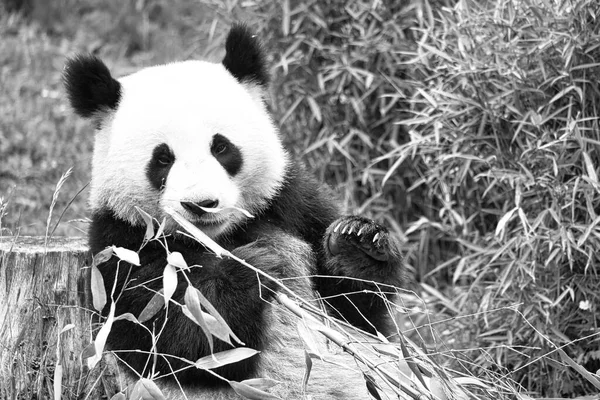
pixel 244 57
pixel 360 248
pixel 283 241
pixel 227 154
pixel 90 87
pixel 159 166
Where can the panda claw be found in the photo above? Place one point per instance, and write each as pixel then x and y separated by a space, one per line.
pixel 353 236
pixel 337 228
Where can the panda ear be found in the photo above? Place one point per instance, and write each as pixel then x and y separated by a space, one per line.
pixel 90 87
pixel 244 57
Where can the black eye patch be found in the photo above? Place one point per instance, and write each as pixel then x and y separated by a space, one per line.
pixel 159 165
pixel 227 154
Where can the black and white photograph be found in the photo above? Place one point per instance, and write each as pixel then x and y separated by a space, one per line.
pixel 299 199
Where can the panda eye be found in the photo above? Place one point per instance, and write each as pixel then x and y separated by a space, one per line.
pixel 163 156
pixel 164 159
pixel 220 148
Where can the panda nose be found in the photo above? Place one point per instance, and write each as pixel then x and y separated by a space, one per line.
pixel 195 207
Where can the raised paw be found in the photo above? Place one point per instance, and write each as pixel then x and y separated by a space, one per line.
pixel 351 233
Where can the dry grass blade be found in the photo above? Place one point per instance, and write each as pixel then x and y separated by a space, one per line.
pixel 59 185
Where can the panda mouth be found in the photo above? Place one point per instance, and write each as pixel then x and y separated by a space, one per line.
pixel 207 222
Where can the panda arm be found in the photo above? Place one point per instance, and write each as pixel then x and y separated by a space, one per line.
pixel 366 253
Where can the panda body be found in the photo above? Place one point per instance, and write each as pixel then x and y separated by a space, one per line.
pixel 195 135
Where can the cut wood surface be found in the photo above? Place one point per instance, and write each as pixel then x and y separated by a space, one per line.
pixel 42 291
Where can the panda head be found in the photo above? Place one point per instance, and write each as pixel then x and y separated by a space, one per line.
pixel 182 135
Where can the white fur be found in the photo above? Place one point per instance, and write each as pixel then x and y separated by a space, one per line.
pixel 183 105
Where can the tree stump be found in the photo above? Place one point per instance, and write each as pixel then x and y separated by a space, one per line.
pixel 42 291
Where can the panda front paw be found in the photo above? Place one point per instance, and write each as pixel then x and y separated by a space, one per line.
pixel 352 233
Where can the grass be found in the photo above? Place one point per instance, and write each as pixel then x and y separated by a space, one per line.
pixel 38 139
pixel 469 127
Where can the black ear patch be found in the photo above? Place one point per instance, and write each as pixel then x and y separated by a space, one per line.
pixel 90 86
pixel 244 57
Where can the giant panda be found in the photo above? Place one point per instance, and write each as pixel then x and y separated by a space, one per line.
pixel 193 136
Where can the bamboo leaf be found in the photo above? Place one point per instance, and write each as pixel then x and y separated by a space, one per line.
pixel 176 259
pixel 102 257
pixel 127 317
pixel 161 229
pixel 251 393
pixel 501 227
pixel 169 283
pixel 101 337
pixel 588 231
pixel 98 289
pixel 226 357
pixel 88 351
pixel 261 383
pixel 127 255
pixel 155 304
pixel 589 166
pixel 314 108
pixel 411 362
pixel 192 304
pixel 145 389
pixel 371 386
pixel 216 323
pixel 593 379
pixel 149 221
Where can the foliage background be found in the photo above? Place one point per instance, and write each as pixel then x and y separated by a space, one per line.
pixel 469 127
